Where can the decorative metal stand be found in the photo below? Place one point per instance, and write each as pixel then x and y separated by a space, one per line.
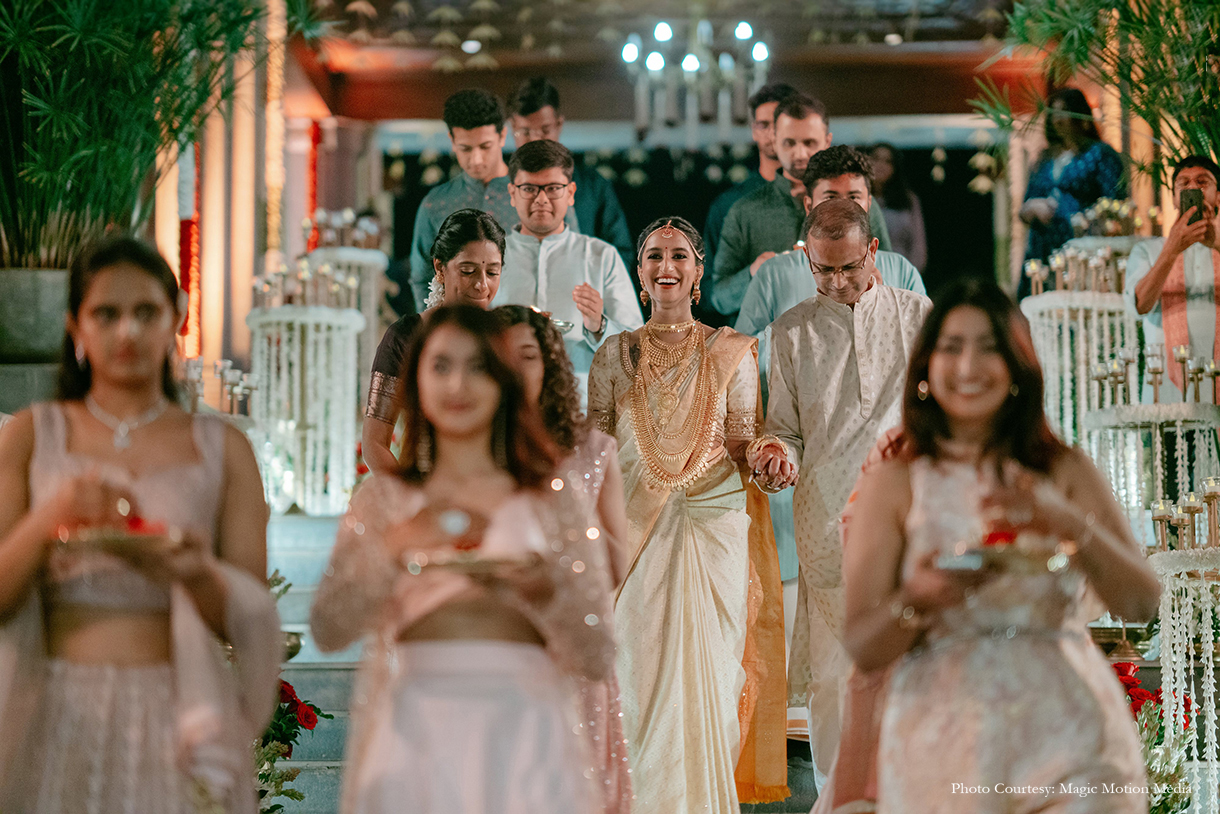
pixel 304 366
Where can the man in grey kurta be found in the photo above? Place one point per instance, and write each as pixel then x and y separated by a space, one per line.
pixel 475 119
pixel 576 278
pixel 838 365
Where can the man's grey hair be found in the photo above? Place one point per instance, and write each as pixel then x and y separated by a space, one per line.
pixel 836 219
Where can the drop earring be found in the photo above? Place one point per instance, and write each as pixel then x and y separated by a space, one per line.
pixel 423 452
pixel 1014 391
pixel 500 440
pixel 80 355
pixel 922 390
pixel 695 294
pixel 644 297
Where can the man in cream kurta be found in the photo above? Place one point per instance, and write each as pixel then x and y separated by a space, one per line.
pixel 1172 281
pixel 576 278
pixel 838 365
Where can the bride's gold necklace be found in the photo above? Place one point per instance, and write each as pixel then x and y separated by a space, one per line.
pixel 657 357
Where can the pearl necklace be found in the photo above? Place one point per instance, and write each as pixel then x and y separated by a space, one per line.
pixel 122 427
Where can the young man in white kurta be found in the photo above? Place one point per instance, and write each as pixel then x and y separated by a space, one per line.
pixel 838 365
pixel 1193 251
pixel 576 278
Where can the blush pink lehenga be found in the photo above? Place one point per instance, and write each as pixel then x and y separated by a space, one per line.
pixel 601 715
pixel 1009 693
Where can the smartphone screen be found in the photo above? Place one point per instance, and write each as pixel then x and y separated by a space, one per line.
pixel 1189 198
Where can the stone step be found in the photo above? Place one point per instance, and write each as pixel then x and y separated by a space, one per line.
pixel 326 742
pixel 319 781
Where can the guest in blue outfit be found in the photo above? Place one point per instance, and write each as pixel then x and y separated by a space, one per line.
pixel 1076 169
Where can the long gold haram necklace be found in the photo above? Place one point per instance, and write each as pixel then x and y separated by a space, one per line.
pixel 657 357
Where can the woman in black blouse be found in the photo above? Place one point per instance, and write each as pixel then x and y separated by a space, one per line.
pixel 467 256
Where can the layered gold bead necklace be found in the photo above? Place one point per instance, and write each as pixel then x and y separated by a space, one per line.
pixel 674 466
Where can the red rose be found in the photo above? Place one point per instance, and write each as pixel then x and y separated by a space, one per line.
pixel 287 694
pixel 306 716
pixel 1129 682
pixel 1139 696
pixel 1126 668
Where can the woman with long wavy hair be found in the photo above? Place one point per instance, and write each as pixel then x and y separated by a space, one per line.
pixel 699 614
pixel 537 350
pixel 482 581
pixel 998 686
pixel 132 545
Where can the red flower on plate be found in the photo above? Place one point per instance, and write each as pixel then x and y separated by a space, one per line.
pixel 1126 668
pixel 1000 536
pixel 306 716
pixel 138 525
pixel 1129 682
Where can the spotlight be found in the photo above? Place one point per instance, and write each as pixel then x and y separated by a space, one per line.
pixel 631 52
pixel 690 63
pixel 743 31
pixel 472 46
pixel 662 33
pixel 655 61
pixel 759 52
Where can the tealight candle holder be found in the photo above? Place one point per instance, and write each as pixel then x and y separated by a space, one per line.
pixel 1211 370
pixel 1211 496
pixel 1184 523
pixel 1162 515
pixel 1117 371
pixel 1154 363
pixel 1195 368
pixel 1099 372
pixel 1181 355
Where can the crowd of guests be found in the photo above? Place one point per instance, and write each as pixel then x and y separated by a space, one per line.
pixel 568 575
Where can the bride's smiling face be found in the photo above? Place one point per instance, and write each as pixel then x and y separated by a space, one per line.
pixel 669 268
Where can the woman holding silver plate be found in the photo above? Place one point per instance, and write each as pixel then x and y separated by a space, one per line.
pixel 132 545
pixel 484 585
pixel 997 683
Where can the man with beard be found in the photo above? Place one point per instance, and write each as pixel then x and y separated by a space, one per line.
pixel 766 222
pixel 576 278
pixel 838 365
pixel 762 129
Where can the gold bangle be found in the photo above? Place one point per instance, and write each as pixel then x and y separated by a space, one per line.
pixel 762 441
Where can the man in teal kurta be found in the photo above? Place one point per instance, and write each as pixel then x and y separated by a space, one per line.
pixel 765 223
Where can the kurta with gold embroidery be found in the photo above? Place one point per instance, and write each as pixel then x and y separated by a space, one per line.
pixel 836 380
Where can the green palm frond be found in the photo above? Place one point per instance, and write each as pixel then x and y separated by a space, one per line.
pixel 1159 54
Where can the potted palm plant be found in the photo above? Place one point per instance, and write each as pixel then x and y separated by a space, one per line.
pixel 93 97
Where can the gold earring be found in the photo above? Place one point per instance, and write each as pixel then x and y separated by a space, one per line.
pixel 644 297
pixel 922 390
pixel 423 452
pixel 1014 390
pixel 695 293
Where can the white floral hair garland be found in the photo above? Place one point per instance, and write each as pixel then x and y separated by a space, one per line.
pixel 436 291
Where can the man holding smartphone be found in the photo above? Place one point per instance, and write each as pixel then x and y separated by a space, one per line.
pixel 1173 282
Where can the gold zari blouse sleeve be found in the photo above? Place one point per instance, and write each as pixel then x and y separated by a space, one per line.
pixel 601 386
pixel 741 402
